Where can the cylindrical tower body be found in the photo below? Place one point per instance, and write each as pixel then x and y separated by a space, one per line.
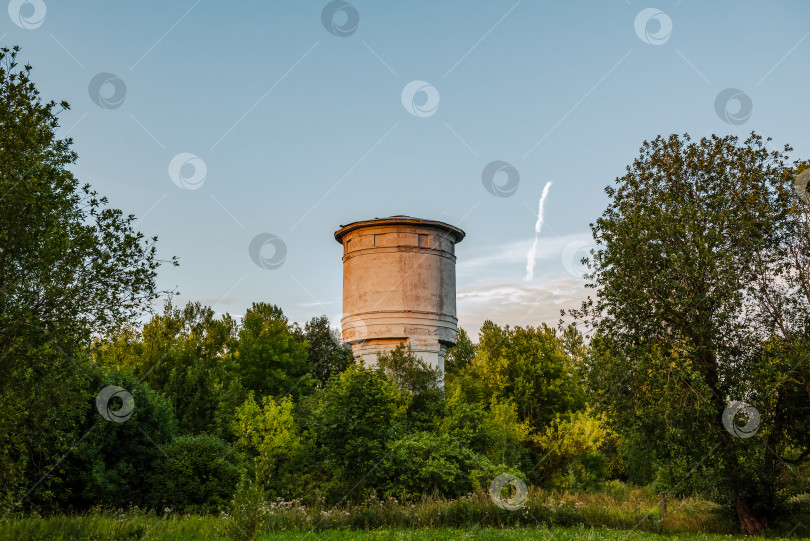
pixel 399 286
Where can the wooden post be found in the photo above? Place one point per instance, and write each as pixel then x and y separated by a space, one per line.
pixel 662 504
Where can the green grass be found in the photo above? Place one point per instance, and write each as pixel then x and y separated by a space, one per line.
pixel 618 512
pixel 98 528
pixel 499 534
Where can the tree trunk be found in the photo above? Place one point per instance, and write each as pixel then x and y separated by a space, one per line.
pixel 749 523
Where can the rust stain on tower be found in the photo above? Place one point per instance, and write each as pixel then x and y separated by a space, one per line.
pixel 399 286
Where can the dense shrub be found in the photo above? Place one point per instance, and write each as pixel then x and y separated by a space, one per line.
pixel 572 447
pixel 429 463
pixel 198 472
pixel 107 465
pixel 278 455
pixel 423 383
pixel 358 414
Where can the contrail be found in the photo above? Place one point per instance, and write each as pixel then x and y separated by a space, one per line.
pixel 537 226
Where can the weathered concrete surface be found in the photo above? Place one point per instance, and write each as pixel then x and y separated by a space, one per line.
pixel 399 286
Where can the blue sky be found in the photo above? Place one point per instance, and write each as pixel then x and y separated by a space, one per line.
pixel 298 130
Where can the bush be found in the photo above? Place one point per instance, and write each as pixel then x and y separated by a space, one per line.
pixel 415 377
pixel 268 437
pixel 358 414
pixel 425 463
pixel 108 467
pixel 573 446
pixel 198 472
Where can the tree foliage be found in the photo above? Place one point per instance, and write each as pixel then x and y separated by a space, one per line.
pixel 359 413
pixel 270 360
pixel 196 473
pixel 70 266
pixel 326 355
pixel 694 274
pixel 529 367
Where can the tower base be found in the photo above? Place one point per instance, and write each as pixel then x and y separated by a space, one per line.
pixel 432 352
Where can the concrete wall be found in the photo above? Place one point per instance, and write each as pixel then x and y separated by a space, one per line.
pixel 399 286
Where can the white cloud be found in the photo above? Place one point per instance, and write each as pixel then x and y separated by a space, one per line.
pixel 507 261
pixel 518 303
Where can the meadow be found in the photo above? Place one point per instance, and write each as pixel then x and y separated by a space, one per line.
pixel 622 513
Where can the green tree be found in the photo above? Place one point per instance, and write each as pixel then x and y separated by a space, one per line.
pixel 70 266
pixel 326 355
pixel 426 463
pixel 423 383
pixel 459 356
pixel 267 435
pixel 694 273
pixel 269 358
pixel 505 435
pixel 574 451
pixel 196 473
pixel 530 368
pixel 358 414
pixel 108 466
pixel 185 354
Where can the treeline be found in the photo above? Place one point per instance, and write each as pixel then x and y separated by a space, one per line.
pixel 274 410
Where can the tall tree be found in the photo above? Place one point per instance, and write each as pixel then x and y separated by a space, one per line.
pixel 326 355
pixel 690 248
pixel 69 266
pixel 269 358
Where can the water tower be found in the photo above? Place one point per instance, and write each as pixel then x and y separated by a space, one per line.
pixel 399 286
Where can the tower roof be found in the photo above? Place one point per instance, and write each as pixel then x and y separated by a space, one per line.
pixel 399 219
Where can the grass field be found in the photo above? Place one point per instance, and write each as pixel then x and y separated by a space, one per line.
pixel 618 513
pixel 210 529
